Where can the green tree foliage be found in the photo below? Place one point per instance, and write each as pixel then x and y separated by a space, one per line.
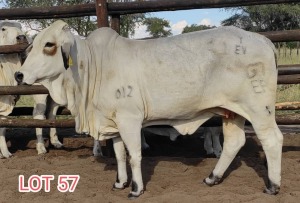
pixel 128 23
pixel 194 27
pixel 266 17
pixel 158 27
pixel 82 25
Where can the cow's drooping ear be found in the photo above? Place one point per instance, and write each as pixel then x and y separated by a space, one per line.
pixel 67 42
pixel 65 58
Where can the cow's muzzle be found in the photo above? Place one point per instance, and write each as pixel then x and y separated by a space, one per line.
pixel 19 77
pixel 21 39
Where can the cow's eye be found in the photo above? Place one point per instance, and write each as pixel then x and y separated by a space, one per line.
pixel 50 48
pixel 49 44
pixel 3 29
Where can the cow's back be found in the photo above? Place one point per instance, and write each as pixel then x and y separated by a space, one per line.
pixel 187 73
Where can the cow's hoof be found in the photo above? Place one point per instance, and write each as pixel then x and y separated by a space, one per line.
pixel 57 145
pixel 145 146
pixel 272 189
pixel 134 195
pixel 119 186
pixel 97 154
pixel 40 147
pixel 212 180
pixel 6 154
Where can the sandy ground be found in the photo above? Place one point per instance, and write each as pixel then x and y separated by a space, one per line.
pixel 172 171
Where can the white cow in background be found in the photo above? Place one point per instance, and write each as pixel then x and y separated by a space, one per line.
pixel 10 33
pixel 212 143
pixel 211 137
pixel 115 86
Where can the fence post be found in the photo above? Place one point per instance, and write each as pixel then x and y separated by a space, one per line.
pixel 102 21
pixel 101 12
pixel 115 23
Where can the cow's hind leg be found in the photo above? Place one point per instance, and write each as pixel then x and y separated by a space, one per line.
pixel 216 132
pixel 271 139
pixel 234 139
pixel 119 148
pixel 145 145
pixel 208 141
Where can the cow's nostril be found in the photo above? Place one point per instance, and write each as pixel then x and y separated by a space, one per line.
pixel 19 77
pixel 21 39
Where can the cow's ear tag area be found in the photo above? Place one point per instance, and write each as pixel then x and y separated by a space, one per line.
pixel 70 62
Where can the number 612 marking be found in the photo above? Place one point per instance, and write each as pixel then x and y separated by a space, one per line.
pixel 124 92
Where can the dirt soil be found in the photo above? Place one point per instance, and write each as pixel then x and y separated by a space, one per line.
pixel 172 171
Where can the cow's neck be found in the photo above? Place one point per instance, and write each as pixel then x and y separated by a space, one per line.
pixel 9 64
pixel 56 90
pixel 76 78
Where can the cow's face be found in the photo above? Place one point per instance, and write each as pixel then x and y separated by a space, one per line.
pixel 48 55
pixel 10 35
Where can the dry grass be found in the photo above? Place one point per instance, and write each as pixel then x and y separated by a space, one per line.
pixel 293 92
pixel 290 94
pixel 288 57
pixel 25 100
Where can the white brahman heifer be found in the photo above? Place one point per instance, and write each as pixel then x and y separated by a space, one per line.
pixel 115 86
pixel 10 34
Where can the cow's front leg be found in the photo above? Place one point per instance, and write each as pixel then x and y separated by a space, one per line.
pixel 39 113
pixel 97 148
pixel 234 139
pixel 40 145
pixel 3 146
pixel 53 134
pixel 130 131
pixel 119 148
